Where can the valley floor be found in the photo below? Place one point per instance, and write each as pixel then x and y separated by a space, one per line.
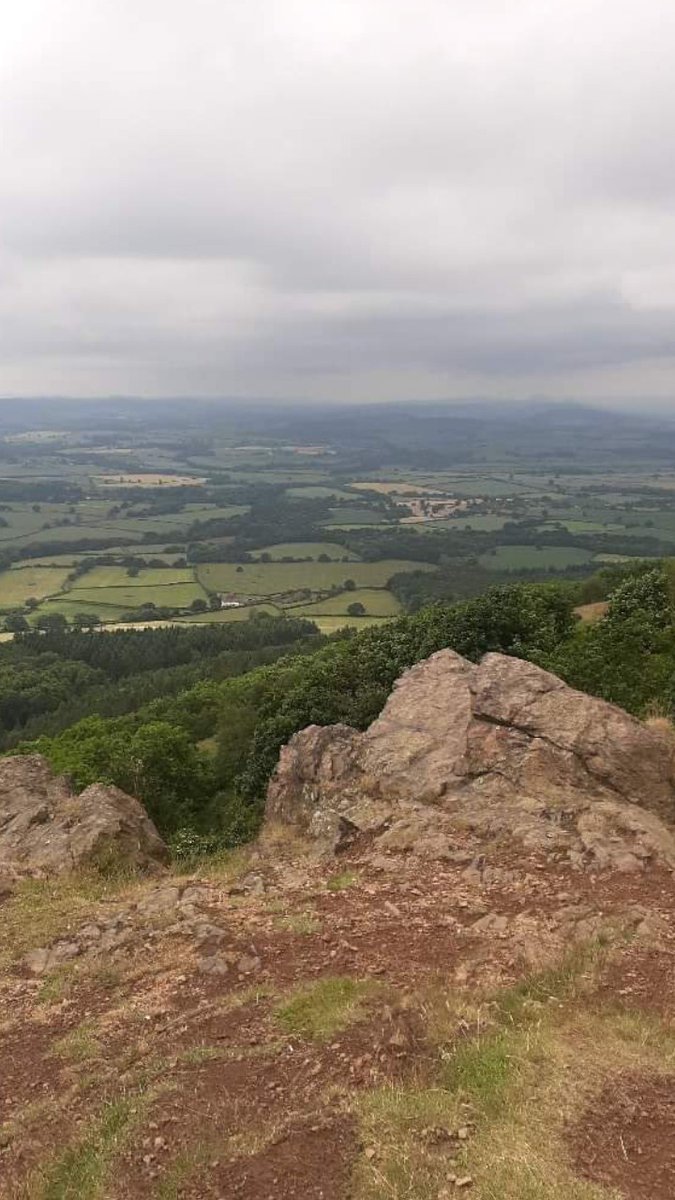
pixel 369 1027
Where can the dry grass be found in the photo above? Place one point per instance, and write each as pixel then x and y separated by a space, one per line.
pixel 660 723
pixel 223 866
pixel 590 613
pixel 277 838
pixel 42 910
pixel 512 1071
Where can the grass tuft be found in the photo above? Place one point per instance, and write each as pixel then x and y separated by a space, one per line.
pixel 43 909
pixel 303 923
pixel 323 1008
pixel 481 1071
pixel 57 985
pixel 81 1171
pixel 341 881
pixel 515 1074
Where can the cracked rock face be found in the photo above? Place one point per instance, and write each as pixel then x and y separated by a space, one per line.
pixel 46 828
pixel 499 750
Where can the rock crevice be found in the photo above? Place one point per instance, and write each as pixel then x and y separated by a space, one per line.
pixel 502 749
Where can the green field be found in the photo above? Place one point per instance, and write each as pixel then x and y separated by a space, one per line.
pixel 306 550
pixel 50 560
pixel 168 521
pixel 116 577
pixel 273 579
pixel 71 608
pixel 483 522
pixel 458 484
pixel 76 533
pixel 524 558
pixel 91 519
pixel 272 476
pixel 378 602
pixel 177 595
pixel 619 558
pixel 19 583
pixel 332 624
pixel 111 587
pixel 25 524
pixel 225 615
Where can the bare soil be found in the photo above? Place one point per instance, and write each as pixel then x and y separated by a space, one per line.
pixel 229 1100
pixel 627 1137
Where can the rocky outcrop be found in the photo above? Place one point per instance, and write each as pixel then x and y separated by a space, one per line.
pixel 46 828
pixel 170 910
pixel 502 750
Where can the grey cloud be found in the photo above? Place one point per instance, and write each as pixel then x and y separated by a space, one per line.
pixel 351 199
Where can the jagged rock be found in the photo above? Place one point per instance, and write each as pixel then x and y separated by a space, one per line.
pixel 46 827
pixel 503 749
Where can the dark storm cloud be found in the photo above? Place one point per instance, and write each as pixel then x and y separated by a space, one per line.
pixel 352 198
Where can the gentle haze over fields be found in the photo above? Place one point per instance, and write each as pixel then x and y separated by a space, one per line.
pixel 341 199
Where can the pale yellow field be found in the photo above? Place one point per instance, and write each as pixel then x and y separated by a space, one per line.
pixel 394 489
pixel 149 480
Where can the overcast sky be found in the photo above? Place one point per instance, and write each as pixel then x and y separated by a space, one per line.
pixel 340 199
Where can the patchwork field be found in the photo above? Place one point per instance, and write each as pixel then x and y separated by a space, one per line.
pixel 271 579
pixel 225 615
pixel 116 577
pixel 67 490
pixel 480 522
pixel 170 595
pixel 20 583
pixel 378 602
pixel 110 591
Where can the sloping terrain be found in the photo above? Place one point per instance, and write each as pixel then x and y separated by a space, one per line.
pixel 345 1028
pixel 447 968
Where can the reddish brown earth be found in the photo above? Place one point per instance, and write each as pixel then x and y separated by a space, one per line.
pixel 627 1138
pixel 232 1103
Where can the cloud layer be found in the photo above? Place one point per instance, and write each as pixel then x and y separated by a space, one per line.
pixel 358 199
